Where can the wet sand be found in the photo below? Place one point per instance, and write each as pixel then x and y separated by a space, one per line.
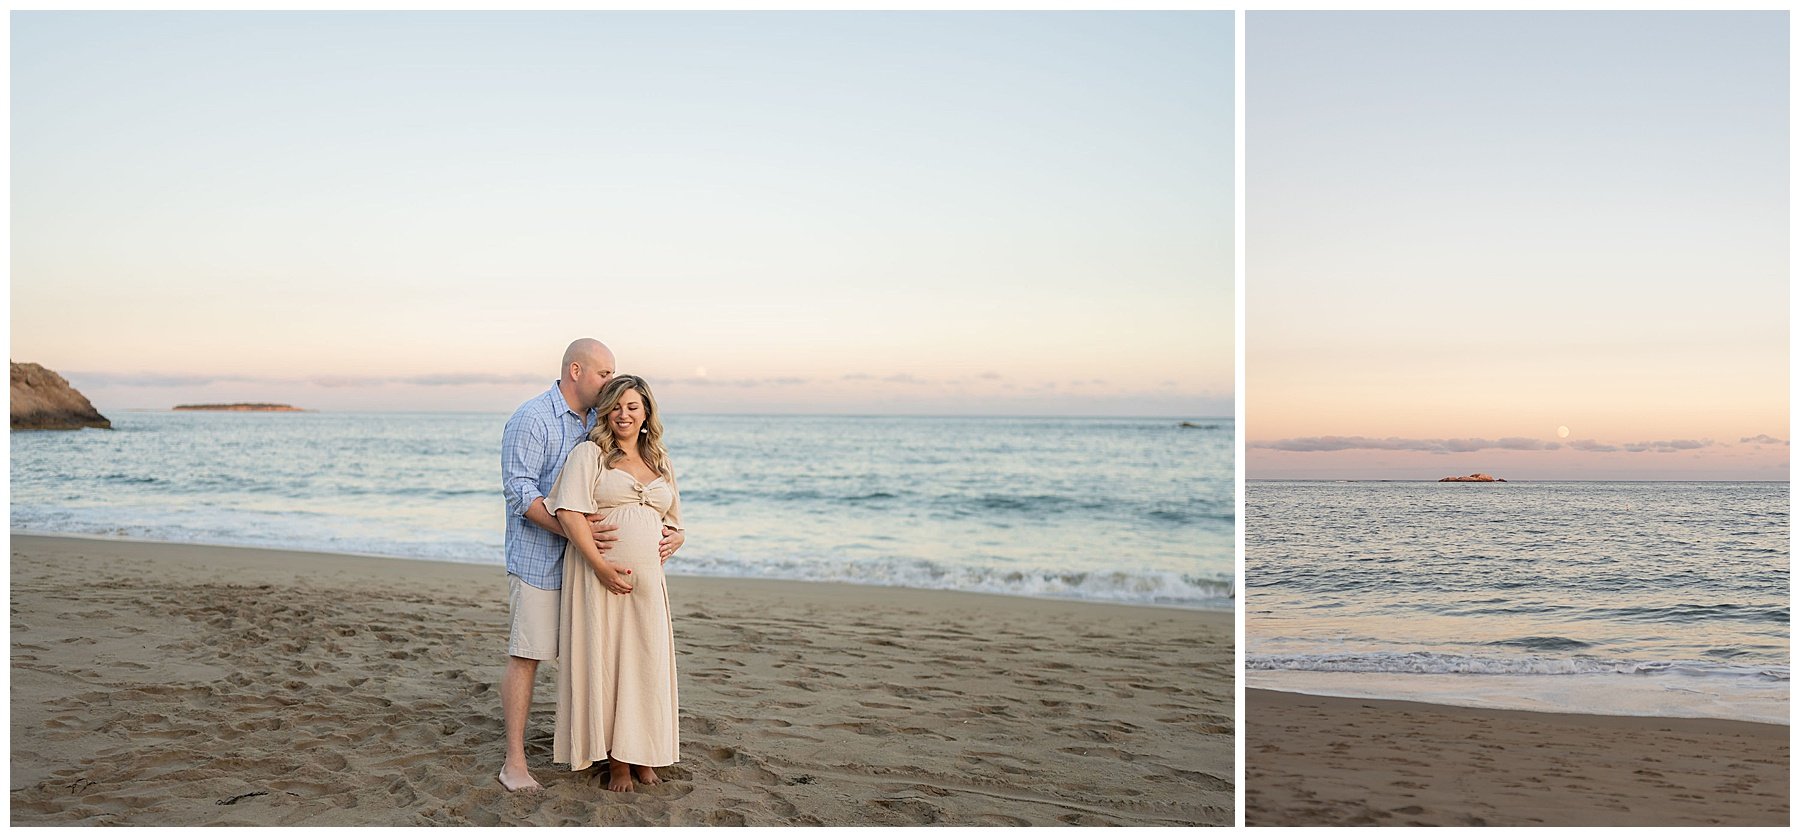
pixel 162 684
pixel 1353 761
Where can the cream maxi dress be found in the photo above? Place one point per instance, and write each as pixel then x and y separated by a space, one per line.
pixel 615 685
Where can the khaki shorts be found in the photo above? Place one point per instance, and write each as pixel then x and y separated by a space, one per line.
pixel 536 617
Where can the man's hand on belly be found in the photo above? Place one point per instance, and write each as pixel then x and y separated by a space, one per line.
pixel 672 540
pixel 603 532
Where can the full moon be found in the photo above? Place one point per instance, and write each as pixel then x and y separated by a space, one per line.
pixel 1562 432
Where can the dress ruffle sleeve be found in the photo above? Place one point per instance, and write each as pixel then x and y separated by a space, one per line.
pixel 672 517
pixel 574 488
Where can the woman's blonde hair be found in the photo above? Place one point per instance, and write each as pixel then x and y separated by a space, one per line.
pixel 649 440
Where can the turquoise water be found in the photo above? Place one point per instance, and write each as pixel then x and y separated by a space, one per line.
pixel 1137 511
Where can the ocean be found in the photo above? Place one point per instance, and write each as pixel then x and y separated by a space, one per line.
pixel 1625 598
pixel 1132 511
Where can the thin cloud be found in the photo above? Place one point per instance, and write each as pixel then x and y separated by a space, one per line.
pixel 442 379
pixel 1313 444
pixel 126 379
pixel 896 378
pixel 455 380
pixel 739 383
pixel 118 379
pixel 336 382
pixel 1761 439
pixel 1668 446
pixel 1322 444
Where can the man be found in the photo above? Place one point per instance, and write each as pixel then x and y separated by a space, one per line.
pixel 537 441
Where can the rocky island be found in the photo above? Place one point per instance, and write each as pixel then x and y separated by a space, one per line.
pixel 42 400
pixel 242 408
pixel 1472 478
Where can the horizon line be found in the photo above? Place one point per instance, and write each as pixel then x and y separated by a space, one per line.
pixel 1177 416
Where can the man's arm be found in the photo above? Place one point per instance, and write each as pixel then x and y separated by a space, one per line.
pixel 523 448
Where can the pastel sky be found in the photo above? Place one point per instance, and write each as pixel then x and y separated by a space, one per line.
pixel 1469 233
pixel 949 213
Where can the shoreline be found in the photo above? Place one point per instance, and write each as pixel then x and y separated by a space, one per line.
pixel 1320 760
pixel 1499 689
pixel 1225 610
pixel 1734 725
pixel 173 684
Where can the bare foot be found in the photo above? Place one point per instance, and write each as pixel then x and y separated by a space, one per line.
pixel 620 778
pixel 518 780
pixel 646 775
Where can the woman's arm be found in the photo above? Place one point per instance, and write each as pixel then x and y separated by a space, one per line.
pixel 575 528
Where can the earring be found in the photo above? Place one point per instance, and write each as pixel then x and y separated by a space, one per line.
pixel 643 430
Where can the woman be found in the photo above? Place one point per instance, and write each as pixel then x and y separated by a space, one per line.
pixel 615 695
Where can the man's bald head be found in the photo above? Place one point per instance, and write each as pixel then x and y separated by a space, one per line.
pixel 586 367
pixel 589 353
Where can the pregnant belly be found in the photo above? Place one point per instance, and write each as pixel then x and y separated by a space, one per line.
pixel 639 532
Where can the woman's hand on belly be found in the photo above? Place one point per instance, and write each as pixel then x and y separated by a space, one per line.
pixel 612 576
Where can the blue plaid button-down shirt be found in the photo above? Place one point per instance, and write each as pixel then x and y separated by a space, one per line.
pixel 534 447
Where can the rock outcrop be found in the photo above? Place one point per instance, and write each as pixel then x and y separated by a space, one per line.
pixel 42 400
pixel 1472 478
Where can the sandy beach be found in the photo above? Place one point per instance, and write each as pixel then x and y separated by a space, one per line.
pixel 1352 761
pixel 161 684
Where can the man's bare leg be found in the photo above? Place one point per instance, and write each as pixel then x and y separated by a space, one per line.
pixel 515 707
